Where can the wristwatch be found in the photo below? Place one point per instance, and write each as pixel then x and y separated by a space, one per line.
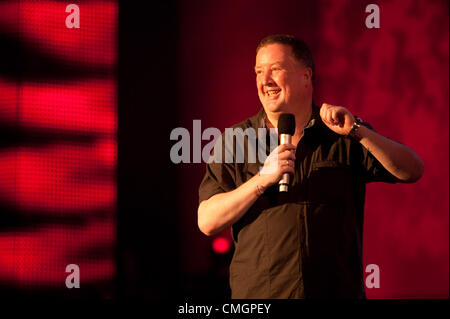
pixel 354 132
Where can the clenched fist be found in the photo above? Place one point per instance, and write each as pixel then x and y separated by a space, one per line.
pixel 337 118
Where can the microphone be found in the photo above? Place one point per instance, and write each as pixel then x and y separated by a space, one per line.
pixel 286 128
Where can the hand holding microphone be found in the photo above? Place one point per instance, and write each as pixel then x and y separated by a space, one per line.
pixel 280 163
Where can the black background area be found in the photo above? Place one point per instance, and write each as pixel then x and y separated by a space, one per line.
pixel 147 237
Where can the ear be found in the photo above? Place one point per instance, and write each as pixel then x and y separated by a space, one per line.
pixel 307 74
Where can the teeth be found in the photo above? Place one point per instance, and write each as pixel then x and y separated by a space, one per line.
pixel 270 93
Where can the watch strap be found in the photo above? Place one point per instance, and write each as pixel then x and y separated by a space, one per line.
pixel 354 132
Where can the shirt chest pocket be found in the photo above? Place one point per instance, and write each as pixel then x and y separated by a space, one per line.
pixel 329 182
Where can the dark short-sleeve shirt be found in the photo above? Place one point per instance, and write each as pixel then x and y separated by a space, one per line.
pixel 306 243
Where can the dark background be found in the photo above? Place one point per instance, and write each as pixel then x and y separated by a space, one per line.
pixel 149 262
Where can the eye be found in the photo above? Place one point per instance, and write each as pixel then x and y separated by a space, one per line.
pixel 276 68
pixel 258 72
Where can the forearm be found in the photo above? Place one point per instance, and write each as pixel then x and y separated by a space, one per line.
pixel 398 159
pixel 223 210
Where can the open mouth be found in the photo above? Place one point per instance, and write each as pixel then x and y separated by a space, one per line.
pixel 273 93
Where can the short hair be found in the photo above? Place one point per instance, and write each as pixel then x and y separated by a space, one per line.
pixel 299 48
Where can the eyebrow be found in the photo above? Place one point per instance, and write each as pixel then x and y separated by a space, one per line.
pixel 259 66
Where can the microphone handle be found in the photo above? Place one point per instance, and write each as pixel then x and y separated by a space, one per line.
pixel 284 181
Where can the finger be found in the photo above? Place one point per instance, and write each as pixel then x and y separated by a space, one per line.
pixel 291 156
pixel 335 116
pixel 288 169
pixel 286 155
pixel 342 116
pixel 285 147
pixel 328 116
pixel 327 106
pixel 323 110
pixel 277 151
pixel 284 162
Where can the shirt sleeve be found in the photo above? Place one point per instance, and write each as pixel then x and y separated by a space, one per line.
pixel 373 170
pixel 220 176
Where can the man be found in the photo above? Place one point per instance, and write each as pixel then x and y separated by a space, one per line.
pixel 305 243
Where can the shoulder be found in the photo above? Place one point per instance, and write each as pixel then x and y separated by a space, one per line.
pixel 254 121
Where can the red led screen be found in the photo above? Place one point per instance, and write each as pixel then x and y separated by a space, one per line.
pixel 58 155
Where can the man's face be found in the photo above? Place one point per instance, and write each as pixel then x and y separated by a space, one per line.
pixel 282 81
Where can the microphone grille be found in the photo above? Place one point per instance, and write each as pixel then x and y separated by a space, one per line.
pixel 286 124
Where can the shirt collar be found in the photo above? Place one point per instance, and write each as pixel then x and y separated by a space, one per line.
pixel 315 117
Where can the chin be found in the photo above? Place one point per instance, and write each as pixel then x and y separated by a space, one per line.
pixel 273 107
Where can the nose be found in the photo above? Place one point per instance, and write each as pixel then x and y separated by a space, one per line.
pixel 266 78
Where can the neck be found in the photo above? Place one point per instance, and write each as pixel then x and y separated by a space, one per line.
pixel 302 115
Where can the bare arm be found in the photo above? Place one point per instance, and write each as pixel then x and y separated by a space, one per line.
pixel 224 209
pixel 398 159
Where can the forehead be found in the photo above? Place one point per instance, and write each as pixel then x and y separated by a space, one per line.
pixel 273 53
